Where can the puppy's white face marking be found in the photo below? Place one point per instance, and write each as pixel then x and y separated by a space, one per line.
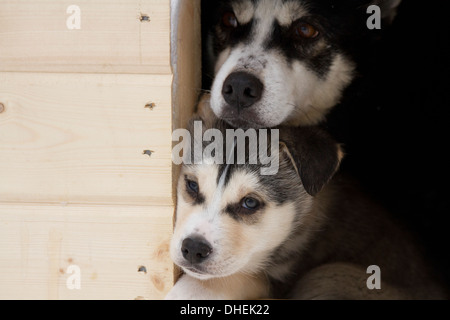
pixel 295 91
pixel 285 12
pixel 239 244
pixel 289 12
pixel 244 11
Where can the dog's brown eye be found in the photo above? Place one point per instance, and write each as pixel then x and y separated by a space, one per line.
pixel 250 203
pixel 229 20
pixel 306 31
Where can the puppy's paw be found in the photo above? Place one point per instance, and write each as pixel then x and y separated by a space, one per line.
pixel 188 288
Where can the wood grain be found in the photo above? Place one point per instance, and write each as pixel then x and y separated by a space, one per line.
pixel 112 37
pixel 80 138
pixel 187 75
pixel 86 176
pixel 107 243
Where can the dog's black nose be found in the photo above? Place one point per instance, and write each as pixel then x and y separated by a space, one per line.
pixel 195 250
pixel 242 90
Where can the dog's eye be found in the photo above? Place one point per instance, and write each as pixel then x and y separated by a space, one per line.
pixel 250 203
pixel 305 30
pixel 229 20
pixel 192 186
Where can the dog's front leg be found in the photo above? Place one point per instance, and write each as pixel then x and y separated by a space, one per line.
pixel 189 288
pixel 236 287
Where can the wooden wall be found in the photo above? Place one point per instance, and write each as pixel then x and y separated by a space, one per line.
pixel 78 109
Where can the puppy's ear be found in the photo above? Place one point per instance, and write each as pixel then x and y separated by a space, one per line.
pixel 313 153
pixel 388 9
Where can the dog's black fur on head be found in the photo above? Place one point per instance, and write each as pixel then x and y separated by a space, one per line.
pixel 310 152
pixel 343 22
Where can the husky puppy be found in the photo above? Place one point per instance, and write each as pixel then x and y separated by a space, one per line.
pixel 294 234
pixel 286 61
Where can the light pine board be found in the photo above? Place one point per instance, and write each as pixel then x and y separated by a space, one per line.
pixel 112 38
pixel 187 76
pixel 80 138
pixel 108 243
pixel 75 188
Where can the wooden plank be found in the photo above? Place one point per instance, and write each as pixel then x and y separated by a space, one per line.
pixel 123 36
pixel 187 70
pixel 79 138
pixel 109 244
pixel 187 77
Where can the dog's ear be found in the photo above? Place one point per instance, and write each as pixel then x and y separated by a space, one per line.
pixel 388 9
pixel 314 155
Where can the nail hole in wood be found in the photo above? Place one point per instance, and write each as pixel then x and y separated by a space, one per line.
pixel 142 269
pixel 144 18
pixel 150 105
pixel 148 153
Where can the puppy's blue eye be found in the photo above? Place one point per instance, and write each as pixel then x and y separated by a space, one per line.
pixel 192 186
pixel 250 203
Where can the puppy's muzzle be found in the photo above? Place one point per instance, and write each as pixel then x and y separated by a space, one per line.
pixel 242 90
pixel 196 250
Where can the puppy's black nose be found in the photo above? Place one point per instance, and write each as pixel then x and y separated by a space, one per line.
pixel 242 90
pixel 195 250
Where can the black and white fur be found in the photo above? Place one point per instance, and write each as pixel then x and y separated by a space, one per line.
pixel 266 75
pixel 308 238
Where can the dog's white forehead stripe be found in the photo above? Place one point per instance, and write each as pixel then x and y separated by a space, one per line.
pixel 289 12
pixel 214 206
pixel 241 183
pixel 244 11
pixel 285 12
